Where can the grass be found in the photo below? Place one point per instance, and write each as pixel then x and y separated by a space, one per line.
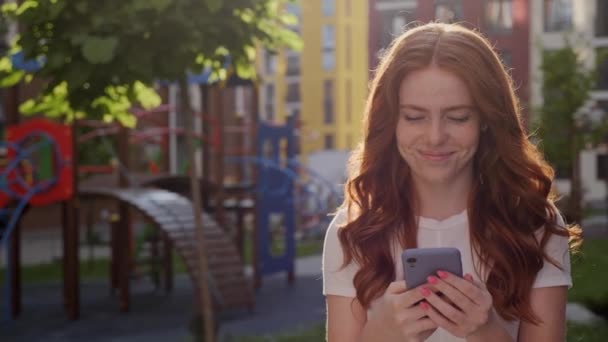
pixel 576 333
pixel 589 212
pixel 589 276
pixel 587 333
pixel 99 268
pixel 311 335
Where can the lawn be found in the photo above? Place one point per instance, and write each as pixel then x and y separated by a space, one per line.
pixel 589 275
pixel 315 334
pixel 576 333
pixel 99 268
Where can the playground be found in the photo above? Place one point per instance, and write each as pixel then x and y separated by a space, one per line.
pixel 259 200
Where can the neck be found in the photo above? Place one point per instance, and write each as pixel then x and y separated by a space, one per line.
pixel 442 200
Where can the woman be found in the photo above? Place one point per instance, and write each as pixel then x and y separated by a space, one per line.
pixel 445 162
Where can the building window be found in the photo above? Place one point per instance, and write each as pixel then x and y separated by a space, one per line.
pixel 601 21
pixel 329 60
pixel 293 65
pixel 448 11
pixel 602 107
pixel 328 7
pixel 499 15
pixel 601 56
pixel 269 102
pixel 393 24
pixel 270 62
pixel 293 92
pixel 349 102
pixel 329 142
pixel 602 166
pixel 328 101
pixel 328 38
pixel 557 15
pixel 294 9
pixel 349 56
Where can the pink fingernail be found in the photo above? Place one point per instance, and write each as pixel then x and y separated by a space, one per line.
pixel 424 306
pixel 425 292
pixel 432 280
pixel 442 274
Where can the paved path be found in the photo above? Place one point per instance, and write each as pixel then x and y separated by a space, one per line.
pixel 155 316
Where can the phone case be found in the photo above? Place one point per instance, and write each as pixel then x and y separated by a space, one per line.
pixel 419 263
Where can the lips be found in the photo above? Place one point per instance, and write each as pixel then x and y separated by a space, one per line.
pixel 435 156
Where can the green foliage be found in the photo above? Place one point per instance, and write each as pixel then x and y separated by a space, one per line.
pixel 101 57
pixel 96 151
pixel 566 87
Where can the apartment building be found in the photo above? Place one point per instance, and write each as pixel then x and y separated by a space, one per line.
pixel 505 22
pixel 325 84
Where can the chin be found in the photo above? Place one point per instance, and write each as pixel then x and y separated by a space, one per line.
pixel 435 177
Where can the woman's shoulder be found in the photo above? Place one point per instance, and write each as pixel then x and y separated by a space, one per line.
pixel 339 220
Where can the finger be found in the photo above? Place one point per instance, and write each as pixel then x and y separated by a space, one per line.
pixel 444 308
pixel 410 298
pixel 415 313
pixel 441 321
pixel 452 294
pixel 421 325
pixel 474 293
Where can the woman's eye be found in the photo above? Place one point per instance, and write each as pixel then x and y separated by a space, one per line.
pixel 412 117
pixel 459 119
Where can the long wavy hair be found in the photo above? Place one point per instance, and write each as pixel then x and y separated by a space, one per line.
pixel 512 200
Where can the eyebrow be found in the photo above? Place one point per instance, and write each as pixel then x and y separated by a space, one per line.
pixel 446 109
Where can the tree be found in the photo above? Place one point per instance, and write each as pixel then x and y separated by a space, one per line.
pixel 564 127
pixel 100 58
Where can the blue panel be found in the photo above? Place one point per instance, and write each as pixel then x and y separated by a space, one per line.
pixel 275 195
pixel 19 62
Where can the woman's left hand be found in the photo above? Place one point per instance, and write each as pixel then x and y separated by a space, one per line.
pixel 466 307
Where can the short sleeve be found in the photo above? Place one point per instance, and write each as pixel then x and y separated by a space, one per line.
pixel 558 249
pixel 337 280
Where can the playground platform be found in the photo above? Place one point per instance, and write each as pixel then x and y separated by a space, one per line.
pixel 155 316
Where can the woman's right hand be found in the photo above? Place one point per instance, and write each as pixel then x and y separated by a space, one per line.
pixel 398 310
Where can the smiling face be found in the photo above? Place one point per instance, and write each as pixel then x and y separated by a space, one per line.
pixel 438 128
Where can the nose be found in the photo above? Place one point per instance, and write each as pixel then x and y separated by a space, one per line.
pixel 436 133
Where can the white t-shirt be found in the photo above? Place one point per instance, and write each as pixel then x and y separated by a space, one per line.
pixel 451 232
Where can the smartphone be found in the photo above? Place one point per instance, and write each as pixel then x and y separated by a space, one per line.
pixel 419 263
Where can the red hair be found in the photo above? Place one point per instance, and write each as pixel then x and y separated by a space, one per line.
pixel 506 209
